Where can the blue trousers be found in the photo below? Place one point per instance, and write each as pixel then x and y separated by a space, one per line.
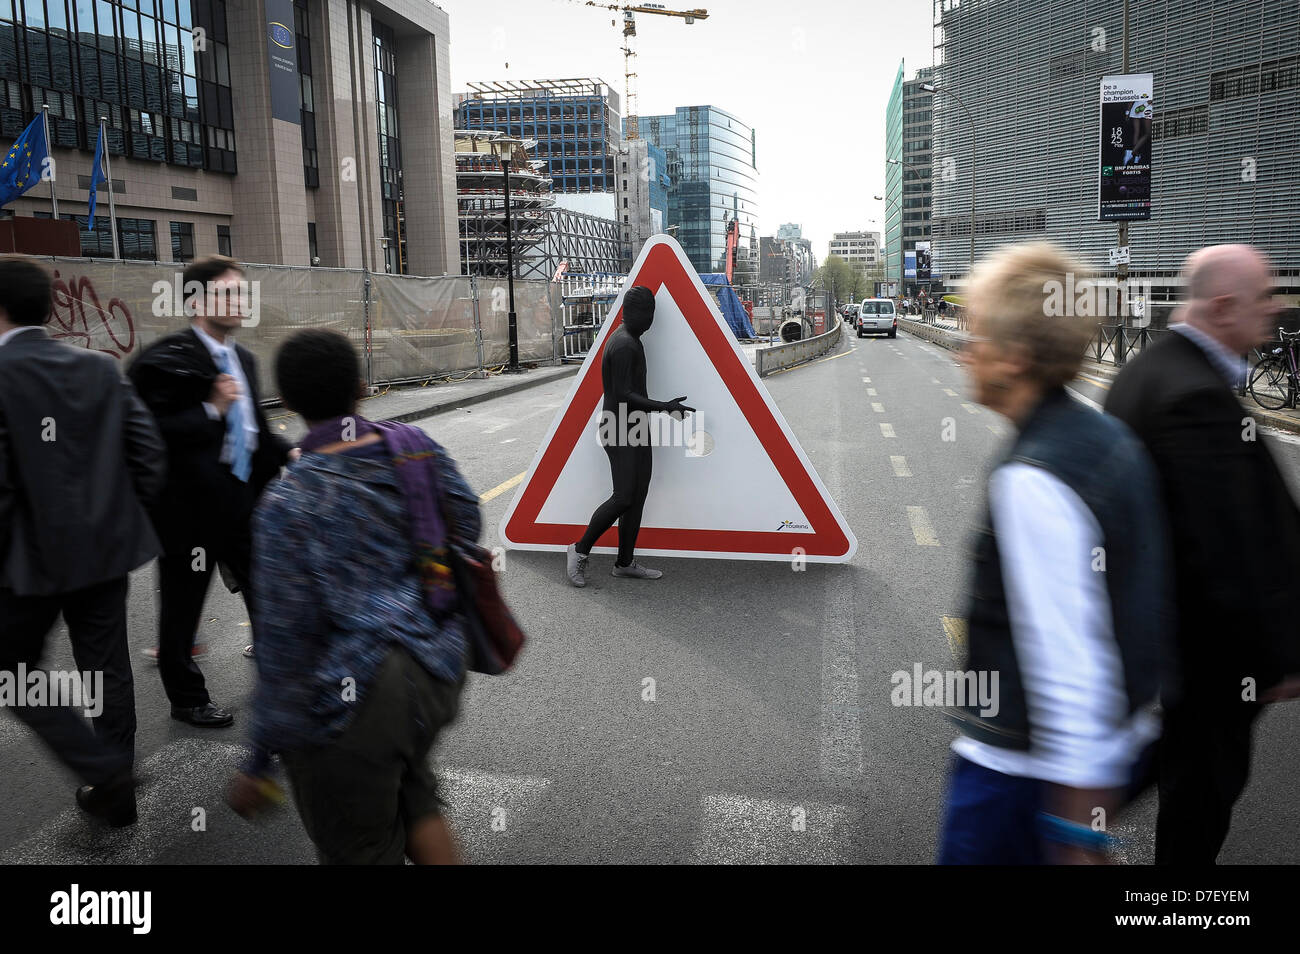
pixel 990 818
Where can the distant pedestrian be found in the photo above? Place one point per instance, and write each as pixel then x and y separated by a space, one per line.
pixel 361 644
pixel 1069 594
pixel 79 456
pixel 201 385
pixel 631 459
pixel 1236 537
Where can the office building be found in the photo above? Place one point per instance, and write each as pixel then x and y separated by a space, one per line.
pixel 713 166
pixel 1225 134
pixel 908 152
pixel 641 196
pixel 859 249
pixel 301 146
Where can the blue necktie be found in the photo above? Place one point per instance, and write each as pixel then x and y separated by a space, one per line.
pixel 241 461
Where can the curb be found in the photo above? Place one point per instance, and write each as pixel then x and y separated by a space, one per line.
pixel 528 380
pixel 953 342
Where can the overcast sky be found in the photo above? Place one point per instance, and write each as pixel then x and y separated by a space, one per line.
pixel 812 77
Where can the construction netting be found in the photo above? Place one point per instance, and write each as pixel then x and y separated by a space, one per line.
pixel 405 328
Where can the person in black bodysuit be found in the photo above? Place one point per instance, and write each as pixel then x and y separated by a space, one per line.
pixel 623 376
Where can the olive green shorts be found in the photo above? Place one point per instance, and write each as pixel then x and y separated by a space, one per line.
pixel 359 795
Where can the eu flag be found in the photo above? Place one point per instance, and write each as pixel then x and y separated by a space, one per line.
pixel 96 177
pixel 23 163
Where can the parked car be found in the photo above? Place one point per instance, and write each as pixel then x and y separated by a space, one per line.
pixel 877 316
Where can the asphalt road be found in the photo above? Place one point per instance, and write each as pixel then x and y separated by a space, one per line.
pixel 771 737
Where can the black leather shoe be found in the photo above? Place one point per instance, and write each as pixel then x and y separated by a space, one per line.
pixel 207 716
pixel 112 803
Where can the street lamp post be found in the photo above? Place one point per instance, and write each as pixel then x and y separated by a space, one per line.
pixel 902 281
pixel 931 88
pixel 513 322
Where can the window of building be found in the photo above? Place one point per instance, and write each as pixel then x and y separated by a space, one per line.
pixel 223 240
pixel 182 241
pixel 312 254
pixel 306 96
pixel 135 239
pixel 390 147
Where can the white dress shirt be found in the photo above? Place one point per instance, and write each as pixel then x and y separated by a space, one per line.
pixel 1081 734
pixel 245 399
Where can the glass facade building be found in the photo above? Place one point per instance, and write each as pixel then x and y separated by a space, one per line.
pixel 1226 137
pixel 133 62
pixel 908 145
pixel 713 169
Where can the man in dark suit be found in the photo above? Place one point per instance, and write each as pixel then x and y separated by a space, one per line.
pixel 202 388
pixel 79 453
pixel 1236 544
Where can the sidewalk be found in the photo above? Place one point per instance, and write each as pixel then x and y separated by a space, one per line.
pixel 410 403
pixel 946 337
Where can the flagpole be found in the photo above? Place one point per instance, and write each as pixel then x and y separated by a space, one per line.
pixel 49 151
pixel 108 172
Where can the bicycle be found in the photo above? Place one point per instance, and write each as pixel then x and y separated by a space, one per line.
pixel 1275 381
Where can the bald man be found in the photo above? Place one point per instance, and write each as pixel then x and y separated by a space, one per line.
pixel 1236 543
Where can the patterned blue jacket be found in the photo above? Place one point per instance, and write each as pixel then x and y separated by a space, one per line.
pixel 336 587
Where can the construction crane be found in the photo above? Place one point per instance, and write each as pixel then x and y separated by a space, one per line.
pixel 629 50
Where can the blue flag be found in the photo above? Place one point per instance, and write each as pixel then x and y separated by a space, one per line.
pixel 22 165
pixel 97 176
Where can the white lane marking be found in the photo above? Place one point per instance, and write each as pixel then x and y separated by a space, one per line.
pixel 866 380
pixel 971 409
pixel 841 728
pixel 739 830
pixel 871 392
pixel 483 808
pixel 996 429
pixel 1086 400
pixel 935 381
pixel 509 439
pixel 950 392
pixel 900 466
pixel 184 774
pixel 922 529
pixel 1283 436
pixel 887 430
pixel 877 407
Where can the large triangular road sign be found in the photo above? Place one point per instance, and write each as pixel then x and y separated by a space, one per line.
pixel 744 489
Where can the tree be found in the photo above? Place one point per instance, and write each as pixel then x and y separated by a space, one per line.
pixel 850 284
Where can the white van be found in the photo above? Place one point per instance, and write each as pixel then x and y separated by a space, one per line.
pixel 877 316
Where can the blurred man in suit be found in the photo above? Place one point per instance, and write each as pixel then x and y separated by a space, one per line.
pixel 1236 544
pixel 79 454
pixel 202 388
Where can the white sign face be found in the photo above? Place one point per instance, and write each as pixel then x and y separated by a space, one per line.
pixel 1118 256
pixel 731 481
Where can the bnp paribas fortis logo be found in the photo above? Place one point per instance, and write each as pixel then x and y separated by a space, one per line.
pixel 280 35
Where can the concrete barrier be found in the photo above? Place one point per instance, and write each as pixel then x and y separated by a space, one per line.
pixel 943 337
pixel 777 357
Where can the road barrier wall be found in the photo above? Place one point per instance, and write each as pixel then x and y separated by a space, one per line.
pixel 778 357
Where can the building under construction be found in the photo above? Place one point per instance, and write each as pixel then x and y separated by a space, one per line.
pixel 481 157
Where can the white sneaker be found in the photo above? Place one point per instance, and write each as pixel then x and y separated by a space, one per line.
pixel 635 571
pixel 576 565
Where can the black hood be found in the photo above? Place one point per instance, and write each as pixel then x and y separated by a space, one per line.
pixel 638 310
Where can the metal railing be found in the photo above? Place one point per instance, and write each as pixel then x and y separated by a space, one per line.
pixel 1120 343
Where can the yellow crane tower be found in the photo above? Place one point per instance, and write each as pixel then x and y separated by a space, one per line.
pixel 629 51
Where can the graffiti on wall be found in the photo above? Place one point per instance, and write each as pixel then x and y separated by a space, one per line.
pixel 79 317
